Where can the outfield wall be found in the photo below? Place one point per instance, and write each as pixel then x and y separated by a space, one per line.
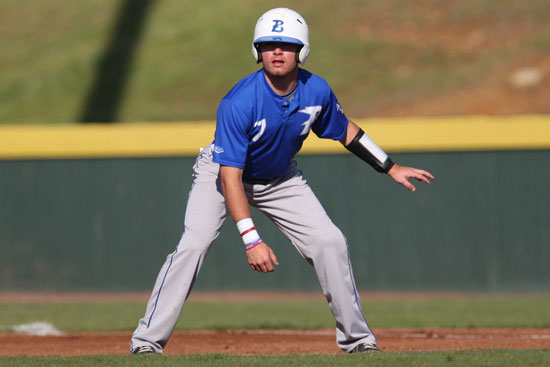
pixel 99 207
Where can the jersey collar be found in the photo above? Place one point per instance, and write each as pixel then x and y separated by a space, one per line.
pixel 272 92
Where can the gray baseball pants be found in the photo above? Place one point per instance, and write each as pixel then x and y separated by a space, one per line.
pixel 293 207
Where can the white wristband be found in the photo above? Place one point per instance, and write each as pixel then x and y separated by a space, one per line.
pixel 247 231
pixel 244 224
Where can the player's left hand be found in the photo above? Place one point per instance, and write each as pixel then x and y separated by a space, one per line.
pixel 401 175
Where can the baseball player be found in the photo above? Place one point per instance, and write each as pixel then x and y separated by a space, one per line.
pixel 261 125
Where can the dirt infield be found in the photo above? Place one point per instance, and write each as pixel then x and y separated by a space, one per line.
pixel 257 341
pixel 276 341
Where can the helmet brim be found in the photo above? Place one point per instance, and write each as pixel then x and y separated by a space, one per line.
pixel 278 39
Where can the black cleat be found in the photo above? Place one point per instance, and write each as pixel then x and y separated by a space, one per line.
pixel 360 348
pixel 143 350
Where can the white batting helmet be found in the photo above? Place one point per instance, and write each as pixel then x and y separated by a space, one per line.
pixel 281 25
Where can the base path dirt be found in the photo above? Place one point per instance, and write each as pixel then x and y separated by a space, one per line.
pixel 276 341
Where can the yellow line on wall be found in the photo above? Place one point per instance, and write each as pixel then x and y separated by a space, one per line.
pixel 104 140
pixel 418 134
pixel 422 134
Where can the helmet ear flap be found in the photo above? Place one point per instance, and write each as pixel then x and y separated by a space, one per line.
pixel 256 52
pixel 298 53
pixel 303 54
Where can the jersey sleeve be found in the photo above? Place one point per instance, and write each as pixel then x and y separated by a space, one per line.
pixel 231 136
pixel 332 122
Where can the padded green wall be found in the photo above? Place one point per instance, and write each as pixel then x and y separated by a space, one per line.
pixel 108 224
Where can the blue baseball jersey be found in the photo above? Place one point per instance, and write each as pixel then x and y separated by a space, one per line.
pixel 261 132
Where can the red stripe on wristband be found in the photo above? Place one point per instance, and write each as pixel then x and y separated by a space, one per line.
pixel 248 230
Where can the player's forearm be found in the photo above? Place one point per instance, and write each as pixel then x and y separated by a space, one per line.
pixel 233 191
pixel 235 199
pixel 359 143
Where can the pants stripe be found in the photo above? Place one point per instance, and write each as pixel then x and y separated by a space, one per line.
pixel 160 289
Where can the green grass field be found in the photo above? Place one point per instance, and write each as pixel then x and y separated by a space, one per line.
pixel 478 311
pixel 472 311
pixel 500 358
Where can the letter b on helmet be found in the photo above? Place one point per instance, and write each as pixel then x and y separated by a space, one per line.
pixel 278 26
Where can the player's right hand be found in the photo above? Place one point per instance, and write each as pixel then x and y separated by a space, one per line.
pixel 261 258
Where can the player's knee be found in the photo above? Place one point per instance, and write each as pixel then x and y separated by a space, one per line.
pixel 331 240
pixel 195 241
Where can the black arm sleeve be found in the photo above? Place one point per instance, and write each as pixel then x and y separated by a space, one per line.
pixel 363 147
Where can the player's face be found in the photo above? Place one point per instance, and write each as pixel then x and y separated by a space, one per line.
pixel 279 58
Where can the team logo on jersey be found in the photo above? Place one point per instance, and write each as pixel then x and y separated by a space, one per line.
pixel 339 108
pixel 278 26
pixel 218 149
pixel 261 124
pixel 313 112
